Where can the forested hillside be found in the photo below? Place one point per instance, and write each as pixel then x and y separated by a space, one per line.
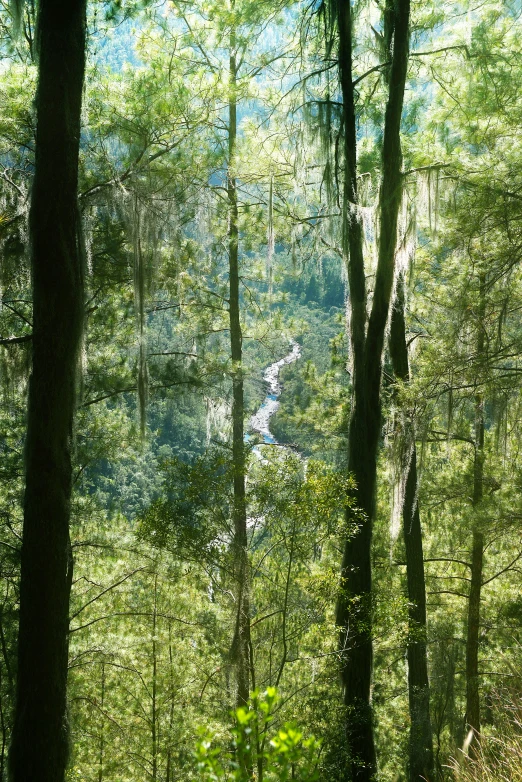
pixel 260 390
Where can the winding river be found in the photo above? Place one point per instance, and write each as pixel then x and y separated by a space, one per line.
pixel 260 421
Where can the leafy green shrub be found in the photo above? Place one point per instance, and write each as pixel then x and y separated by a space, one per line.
pixel 257 749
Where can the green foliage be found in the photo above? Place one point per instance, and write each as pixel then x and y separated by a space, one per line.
pixel 151 625
pixel 281 753
pixel 498 753
pixel 195 507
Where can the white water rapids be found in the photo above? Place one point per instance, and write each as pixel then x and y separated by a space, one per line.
pixel 260 421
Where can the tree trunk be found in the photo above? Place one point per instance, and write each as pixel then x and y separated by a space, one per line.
pixel 39 745
pixel 472 644
pixel 101 748
pixel 355 630
pixel 354 615
pixel 241 641
pixel 420 764
pixel 6 692
pixel 172 696
pixel 3 726
pixel 154 716
pixel 477 554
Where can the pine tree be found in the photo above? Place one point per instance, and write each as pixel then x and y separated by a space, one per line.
pixel 367 345
pixel 39 747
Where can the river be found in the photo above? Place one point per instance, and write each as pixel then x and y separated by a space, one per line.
pixel 260 421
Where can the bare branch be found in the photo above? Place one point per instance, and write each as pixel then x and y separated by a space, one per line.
pixel 6 341
pixel 504 570
pixel 104 592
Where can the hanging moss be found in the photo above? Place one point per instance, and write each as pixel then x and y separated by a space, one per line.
pixel 17 8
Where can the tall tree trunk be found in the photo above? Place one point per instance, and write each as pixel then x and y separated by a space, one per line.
pixel 101 747
pixel 154 690
pixel 356 583
pixel 477 553
pixel 6 691
pixel 3 726
pixel 241 641
pixel 420 764
pixel 472 643
pixel 172 695
pixel 39 745
pixel 354 615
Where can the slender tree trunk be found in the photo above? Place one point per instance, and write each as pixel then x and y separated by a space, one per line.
pixel 420 764
pixel 241 641
pixel 477 554
pixel 154 703
pixel 354 615
pixel 171 709
pixel 3 725
pixel 101 749
pixel 472 644
pixel 5 655
pixel 6 695
pixel 39 745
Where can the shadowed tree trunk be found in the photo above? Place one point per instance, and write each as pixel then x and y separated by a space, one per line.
pixel 101 746
pixel 39 746
pixel 353 619
pixel 241 641
pixel 154 712
pixel 354 615
pixel 477 553
pixel 420 764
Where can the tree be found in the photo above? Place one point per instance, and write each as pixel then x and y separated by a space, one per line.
pixel 231 33
pixel 39 746
pixel 421 743
pixel 367 336
pixel 477 292
pixel 241 642
pixel 208 177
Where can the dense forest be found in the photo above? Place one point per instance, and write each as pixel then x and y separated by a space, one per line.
pixel 260 390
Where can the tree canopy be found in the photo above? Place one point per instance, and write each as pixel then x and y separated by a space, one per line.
pixel 260 390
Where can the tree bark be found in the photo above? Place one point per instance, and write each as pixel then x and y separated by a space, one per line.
pixel 241 641
pixel 420 765
pixel 154 717
pixel 101 747
pixel 172 695
pixel 354 615
pixel 353 618
pixel 472 643
pixel 3 726
pixel 39 746
pixel 477 554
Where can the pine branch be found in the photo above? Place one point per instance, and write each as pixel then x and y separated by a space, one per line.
pixel 6 341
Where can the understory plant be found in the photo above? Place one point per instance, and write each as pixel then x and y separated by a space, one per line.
pixel 257 749
pixel 497 755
